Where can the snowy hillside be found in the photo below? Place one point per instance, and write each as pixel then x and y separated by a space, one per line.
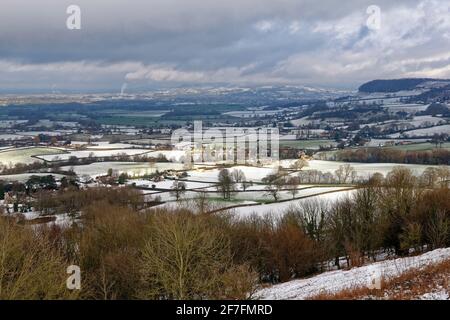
pixel 336 281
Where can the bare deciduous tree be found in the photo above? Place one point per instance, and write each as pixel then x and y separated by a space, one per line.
pixel 178 189
pixel 293 183
pixel 274 184
pixel 344 172
pixel 31 267
pixel 184 257
pixel 238 175
pixel 225 184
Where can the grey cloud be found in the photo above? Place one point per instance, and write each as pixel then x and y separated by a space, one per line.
pixel 237 41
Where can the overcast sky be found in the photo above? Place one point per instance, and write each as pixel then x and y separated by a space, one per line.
pixel 160 43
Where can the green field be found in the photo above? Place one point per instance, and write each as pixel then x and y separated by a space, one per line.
pixel 138 121
pixel 131 120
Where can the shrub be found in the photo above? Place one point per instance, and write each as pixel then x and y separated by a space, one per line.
pixel 188 256
pixel 31 267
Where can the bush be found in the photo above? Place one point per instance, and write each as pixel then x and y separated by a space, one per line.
pixel 188 256
pixel 110 245
pixel 31 267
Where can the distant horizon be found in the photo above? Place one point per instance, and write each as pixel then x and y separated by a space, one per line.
pixel 131 90
pixel 141 90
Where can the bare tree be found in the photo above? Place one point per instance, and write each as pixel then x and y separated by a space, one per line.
pixel 376 179
pixel 443 174
pixel 344 172
pixel 429 177
pixel 201 204
pixel 293 183
pixel 438 229
pixel 225 184
pixel 178 189
pixel 312 217
pixel 31 265
pixel 274 183
pixel 183 257
pixel 238 175
pixel 245 184
pixel 354 176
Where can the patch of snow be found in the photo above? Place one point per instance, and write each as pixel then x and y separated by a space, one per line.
pixel 336 281
pixel 437 295
pixel 93 153
pixel 425 132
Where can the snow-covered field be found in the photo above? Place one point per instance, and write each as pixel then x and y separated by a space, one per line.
pixel 131 168
pixel 410 124
pixel 423 120
pixel 24 155
pixel 336 281
pixel 167 184
pixel 11 136
pixel 280 208
pixel 93 153
pixel 171 155
pixel 409 107
pixel 170 199
pixel 385 142
pixel 363 169
pixel 99 145
pixel 288 137
pixel 187 202
pixel 303 121
pixel 254 174
pixel 284 195
pixel 426 132
pixel 10 123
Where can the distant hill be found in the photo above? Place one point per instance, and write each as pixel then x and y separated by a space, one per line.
pixel 393 85
pixel 439 94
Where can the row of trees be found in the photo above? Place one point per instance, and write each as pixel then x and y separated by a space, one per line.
pixel 23 167
pixel 228 182
pixel 73 200
pixel 380 155
pixel 285 180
